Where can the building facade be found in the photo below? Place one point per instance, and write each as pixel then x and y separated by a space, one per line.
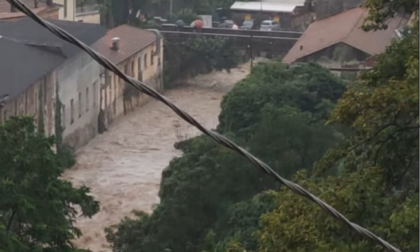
pixel 138 53
pixel 78 94
pixel 280 11
pixel 340 39
pixel 62 93
pixel 71 11
pixel 37 101
pixel 73 88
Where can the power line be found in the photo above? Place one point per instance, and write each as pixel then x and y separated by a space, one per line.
pixel 214 135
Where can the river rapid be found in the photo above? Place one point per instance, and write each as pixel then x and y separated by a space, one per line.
pixel 123 166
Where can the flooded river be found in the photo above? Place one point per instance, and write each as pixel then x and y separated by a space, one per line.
pixel 123 166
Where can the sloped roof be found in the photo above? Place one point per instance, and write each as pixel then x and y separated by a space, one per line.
pixel 343 28
pixel 132 40
pixel 22 65
pixel 28 31
pixel 29 52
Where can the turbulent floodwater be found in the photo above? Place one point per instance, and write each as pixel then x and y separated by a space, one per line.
pixel 123 166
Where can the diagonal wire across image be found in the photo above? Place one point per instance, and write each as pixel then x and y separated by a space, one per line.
pixel 214 135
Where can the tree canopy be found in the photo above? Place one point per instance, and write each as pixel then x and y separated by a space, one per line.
pixel 358 151
pixel 378 187
pixel 198 55
pixel 37 208
pixel 200 189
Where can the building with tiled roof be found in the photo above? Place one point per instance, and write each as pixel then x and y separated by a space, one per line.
pixel 40 71
pixel 139 53
pixel 340 38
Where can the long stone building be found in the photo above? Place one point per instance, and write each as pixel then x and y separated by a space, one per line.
pixel 137 52
pixel 62 87
pixel 41 76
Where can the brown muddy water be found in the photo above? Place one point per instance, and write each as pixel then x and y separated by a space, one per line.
pixel 123 166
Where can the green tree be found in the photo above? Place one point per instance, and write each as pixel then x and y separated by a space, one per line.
pixel 381 11
pixel 186 15
pixel 199 188
pixel 208 200
pixel 37 208
pixel 237 229
pixel 309 88
pixel 378 187
pixel 197 55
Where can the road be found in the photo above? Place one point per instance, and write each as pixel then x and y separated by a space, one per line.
pixel 123 166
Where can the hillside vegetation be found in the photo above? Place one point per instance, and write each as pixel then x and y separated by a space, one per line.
pixel 353 145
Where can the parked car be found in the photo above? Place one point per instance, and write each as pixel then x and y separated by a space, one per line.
pixel 269 25
pixel 277 28
pixel 248 25
pixel 227 24
pixel 180 23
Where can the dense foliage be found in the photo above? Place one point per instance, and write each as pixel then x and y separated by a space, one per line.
pixel 309 88
pixel 364 163
pixel 379 185
pixel 199 191
pixel 186 15
pixel 37 209
pixel 355 146
pixel 197 55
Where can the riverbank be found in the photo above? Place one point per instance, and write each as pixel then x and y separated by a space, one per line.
pixel 123 166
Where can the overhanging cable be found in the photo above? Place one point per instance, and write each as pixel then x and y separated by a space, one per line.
pixel 214 135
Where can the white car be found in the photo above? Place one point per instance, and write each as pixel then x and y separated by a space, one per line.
pixel 269 25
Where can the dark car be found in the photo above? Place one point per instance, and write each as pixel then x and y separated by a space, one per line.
pixel 180 23
pixel 248 25
pixel 227 24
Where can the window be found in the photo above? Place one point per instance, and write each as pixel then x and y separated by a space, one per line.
pixel 5 114
pixel 71 111
pixel 87 99
pixel 36 109
pixel 36 102
pixel 152 59
pixel 116 82
pixel 63 116
pixel 94 94
pixel 110 92
pixel 80 104
pixel 139 64
pixel 44 90
pixel 145 61
pixel 132 69
pixel 126 69
pixel 65 8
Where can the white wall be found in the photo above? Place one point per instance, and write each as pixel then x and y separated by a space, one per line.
pixel 74 77
pixel 91 18
pixel 69 6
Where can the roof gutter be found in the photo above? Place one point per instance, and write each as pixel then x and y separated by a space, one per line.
pixel 158 41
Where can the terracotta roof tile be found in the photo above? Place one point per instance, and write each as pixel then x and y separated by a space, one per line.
pixel 343 28
pixel 132 40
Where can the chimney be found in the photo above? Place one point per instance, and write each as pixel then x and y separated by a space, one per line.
pixel 115 44
pixel 12 8
pixel 301 47
pixel 35 4
pixel 49 3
